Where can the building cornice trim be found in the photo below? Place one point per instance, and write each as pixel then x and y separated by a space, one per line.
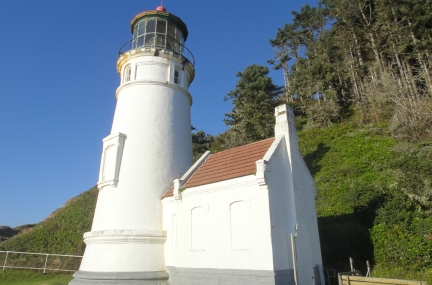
pixel 210 188
pixel 178 183
pixel 153 82
pixel 262 164
pixel 125 236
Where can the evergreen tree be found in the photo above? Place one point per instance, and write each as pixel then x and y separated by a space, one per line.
pixel 201 142
pixel 254 100
pixel 364 55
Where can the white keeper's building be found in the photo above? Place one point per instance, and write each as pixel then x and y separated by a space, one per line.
pixel 241 216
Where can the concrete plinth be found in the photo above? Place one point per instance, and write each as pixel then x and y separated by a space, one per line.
pixel 123 278
pixel 207 276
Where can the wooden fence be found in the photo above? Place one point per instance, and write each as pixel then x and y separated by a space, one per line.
pixel 359 280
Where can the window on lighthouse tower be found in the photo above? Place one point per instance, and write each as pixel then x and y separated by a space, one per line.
pixel 127 74
pixel 176 76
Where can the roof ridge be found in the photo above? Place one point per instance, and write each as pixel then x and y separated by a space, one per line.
pixel 229 164
pixel 243 145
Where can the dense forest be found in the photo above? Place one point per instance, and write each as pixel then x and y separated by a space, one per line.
pixel 358 76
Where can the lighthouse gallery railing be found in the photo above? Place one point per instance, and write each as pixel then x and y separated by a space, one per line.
pixel 162 42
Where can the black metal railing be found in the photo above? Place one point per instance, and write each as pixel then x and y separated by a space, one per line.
pixel 161 42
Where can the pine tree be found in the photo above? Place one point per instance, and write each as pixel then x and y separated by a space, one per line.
pixel 254 100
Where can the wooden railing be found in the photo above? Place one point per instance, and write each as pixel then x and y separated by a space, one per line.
pixel 359 280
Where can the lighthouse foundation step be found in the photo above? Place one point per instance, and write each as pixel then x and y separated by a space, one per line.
pixel 210 276
pixel 121 278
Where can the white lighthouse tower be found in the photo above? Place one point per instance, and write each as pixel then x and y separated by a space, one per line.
pixel 149 146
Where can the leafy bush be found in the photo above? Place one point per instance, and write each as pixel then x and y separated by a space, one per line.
pixel 373 199
pixel 408 247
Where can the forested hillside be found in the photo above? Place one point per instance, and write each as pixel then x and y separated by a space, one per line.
pixel 367 56
pixel 358 76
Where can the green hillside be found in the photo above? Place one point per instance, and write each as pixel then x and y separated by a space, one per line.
pixel 62 232
pixel 373 202
pixel 373 199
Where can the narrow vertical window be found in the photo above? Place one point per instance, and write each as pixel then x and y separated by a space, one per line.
pixel 174 232
pixel 176 76
pixel 197 229
pixel 240 233
pixel 127 74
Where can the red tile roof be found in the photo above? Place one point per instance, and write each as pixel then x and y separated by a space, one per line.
pixel 169 193
pixel 228 164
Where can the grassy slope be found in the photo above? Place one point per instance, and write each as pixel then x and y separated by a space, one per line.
pixel 62 232
pixel 359 207
pixel 354 172
pixel 343 159
pixel 24 277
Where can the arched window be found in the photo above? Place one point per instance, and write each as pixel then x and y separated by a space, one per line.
pixel 174 232
pixel 239 216
pixel 127 74
pixel 197 229
pixel 177 76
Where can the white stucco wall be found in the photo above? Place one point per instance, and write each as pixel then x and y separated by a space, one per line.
pixel 155 117
pixel 292 210
pixel 282 205
pixel 151 127
pixel 307 240
pixel 247 222
pixel 292 202
pixel 235 223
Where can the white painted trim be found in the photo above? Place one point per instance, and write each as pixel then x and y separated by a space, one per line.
pixel 178 183
pixel 239 197
pixel 116 140
pixel 261 164
pixel 125 236
pixel 273 147
pixel 129 55
pixel 154 82
pixel 199 203
pixel 216 187
pixel 125 240
pixel 195 166
pixel 131 232
pixel 152 63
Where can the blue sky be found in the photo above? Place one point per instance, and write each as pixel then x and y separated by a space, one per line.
pixel 58 80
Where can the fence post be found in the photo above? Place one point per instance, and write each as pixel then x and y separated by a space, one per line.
pixel 46 260
pixel 294 257
pixel 4 264
pixel 368 274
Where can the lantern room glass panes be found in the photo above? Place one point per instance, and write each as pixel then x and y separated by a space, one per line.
pixel 151 24
pixel 161 27
pixel 171 30
pixel 157 33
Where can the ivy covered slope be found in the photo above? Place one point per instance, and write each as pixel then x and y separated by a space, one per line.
pixel 62 232
pixel 373 199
